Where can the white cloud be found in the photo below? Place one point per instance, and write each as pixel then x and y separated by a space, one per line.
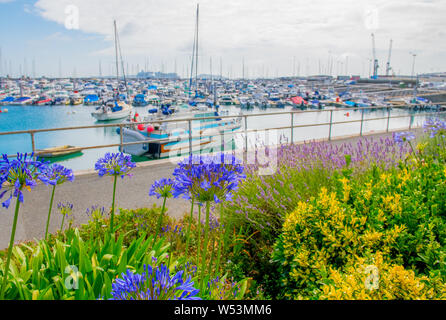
pixel 269 32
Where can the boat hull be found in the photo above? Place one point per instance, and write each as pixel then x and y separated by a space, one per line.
pixel 173 146
pixel 111 115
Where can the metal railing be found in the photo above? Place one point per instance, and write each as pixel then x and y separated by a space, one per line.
pixel 245 117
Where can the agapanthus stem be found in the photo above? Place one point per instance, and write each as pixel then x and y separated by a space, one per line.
pixel 212 256
pixel 49 212
pixel 160 221
pixel 205 244
pixel 63 219
pixel 190 223
pixel 11 244
pixel 220 239
pixel 199 235
pixel 113 205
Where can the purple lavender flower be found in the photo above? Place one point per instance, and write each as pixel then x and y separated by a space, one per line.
pixel 154 284
pixel 18 174
pixel 114 164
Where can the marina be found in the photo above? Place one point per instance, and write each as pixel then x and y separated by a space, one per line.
pixel 93 137
pixel 250 150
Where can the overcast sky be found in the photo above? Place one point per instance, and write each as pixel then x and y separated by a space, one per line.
pixel 273 37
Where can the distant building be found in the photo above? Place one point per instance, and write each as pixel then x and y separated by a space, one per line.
pixel 156 75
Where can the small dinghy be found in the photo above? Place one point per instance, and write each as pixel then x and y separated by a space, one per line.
pixel 57 151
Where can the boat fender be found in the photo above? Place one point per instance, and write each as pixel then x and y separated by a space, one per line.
pixel 150 129
pixel 136 118
pixel 140 127
pixel 118 130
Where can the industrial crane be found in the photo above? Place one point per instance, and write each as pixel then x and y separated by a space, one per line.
pixel 388 67
pixel 375 61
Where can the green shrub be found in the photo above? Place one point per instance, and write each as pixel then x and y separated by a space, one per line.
pixel 399 212
pixel 77 269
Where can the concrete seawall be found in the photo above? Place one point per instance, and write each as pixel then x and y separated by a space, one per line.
pixel 88 190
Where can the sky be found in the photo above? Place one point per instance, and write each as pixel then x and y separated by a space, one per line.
pixel 269 37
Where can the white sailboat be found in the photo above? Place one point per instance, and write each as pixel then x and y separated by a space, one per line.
pixel 114 109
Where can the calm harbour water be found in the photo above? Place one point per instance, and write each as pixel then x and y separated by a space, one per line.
pixel 44 117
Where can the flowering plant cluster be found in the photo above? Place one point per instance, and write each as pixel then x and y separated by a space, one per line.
pixel 56 174
pixel 114 164
pixel 434 127
pixel 17 174
pixel 162 188
pixel 155 283
pixel 397 213
pixel 208 178
pixel 401 137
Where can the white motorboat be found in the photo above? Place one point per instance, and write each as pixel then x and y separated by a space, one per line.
pixel 112 110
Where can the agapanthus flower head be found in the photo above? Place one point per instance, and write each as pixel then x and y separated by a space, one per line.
pixel 56 174
pixel 114 164
pixel 155 283
pixel 434 127
pixel 95 212
pixel 18 174
pixel 401 137
pixel 208 178
pixel 162 188
pixel 65 209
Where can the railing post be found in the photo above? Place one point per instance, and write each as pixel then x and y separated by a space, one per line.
pixel 362 121
pixel 292 127
pixel 222 140
pixel 190 136
pixel 331 122
pixel 121 137
pixel 410 122
pixel 246 133
pixel 388 119
pixel 33 144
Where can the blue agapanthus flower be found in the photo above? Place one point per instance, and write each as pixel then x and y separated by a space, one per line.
pixel 154 284
pixel 114 164
pixel 18 174
pixel 56 174
pixel 434 127
pixel 65 206
pixel 162 188
pixel 401 137
pixel 208 178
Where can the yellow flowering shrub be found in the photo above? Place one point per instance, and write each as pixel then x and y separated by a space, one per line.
pixel 325 232
pixel 398 215
pixel 376 279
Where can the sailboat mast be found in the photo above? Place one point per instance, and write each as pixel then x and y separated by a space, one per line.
pixel 196 53
pixel 116 53
pixel 192 66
